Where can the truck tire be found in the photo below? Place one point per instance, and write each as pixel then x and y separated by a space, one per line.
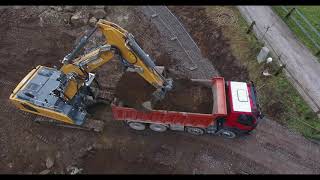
pixel 195 131
pixel 158 127
pixel 227 133
pixel 137 126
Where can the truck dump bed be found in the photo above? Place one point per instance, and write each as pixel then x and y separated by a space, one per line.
pixel 179 118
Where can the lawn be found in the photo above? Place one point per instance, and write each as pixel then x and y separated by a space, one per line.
pixel 312 13
pixel 280 101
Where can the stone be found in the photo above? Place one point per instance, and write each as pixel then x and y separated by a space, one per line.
pixel 49 163
pixel 92 21
pixel 79 19
pixel 56 8
pixel 59 9
pixel 74 170
pixel 10 165
pixel 99 13
pixel 69 8
pixel 46 171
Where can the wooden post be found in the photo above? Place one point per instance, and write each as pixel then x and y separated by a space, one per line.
pixel 280 69
pixel 251 26
pixel 289 13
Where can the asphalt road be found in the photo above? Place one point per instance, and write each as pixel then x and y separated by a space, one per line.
pixel 301 63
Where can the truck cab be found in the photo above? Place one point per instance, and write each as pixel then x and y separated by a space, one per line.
pixel 243 111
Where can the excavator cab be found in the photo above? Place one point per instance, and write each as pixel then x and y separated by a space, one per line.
pixel 42 92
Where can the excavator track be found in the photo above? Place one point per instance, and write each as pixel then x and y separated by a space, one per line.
pixel 89 125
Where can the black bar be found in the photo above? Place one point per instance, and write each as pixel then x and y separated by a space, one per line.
pixel 289 13
pixel 83 41
pixel 251 26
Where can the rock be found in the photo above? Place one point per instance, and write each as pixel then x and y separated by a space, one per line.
pixel 59 9
pixel 74 170
pixel 66 19
pixel 49 163
pixel 92 21
pixel 47 171
pixel 99 13
pixel 75 19
pixel 79 19
pixel 56 8
pixel 69 8
pixel 10 165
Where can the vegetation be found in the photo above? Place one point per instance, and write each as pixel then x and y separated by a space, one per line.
pixel 279 99
pixel 312 13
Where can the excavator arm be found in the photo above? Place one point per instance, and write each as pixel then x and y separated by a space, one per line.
pixel 119 43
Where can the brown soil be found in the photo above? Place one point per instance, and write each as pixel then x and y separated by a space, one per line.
pixel 186 96
pixel 213 45
pixel 24 145
pixel 133 90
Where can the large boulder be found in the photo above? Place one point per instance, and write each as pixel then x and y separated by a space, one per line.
pixel 92 21
pixel 49 162
pixel 79 19
pixel 99 13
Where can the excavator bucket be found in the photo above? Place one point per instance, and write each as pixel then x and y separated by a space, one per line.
pixel 159 94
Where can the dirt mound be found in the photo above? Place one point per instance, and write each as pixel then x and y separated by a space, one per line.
pixel 186 96
pixel 132 90
pixel 209 36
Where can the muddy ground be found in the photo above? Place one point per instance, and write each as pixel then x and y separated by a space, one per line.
pixel 26 41
pixel 213 45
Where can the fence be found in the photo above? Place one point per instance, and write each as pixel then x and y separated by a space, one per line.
pixel 261 35
pixel 175 34
pixel 309 30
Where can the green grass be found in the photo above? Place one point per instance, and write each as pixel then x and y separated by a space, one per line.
pixel 312 13
pixel 279 99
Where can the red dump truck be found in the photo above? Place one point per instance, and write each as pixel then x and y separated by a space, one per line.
pixel 235 112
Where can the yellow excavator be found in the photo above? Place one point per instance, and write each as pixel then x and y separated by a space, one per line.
pixel 64 94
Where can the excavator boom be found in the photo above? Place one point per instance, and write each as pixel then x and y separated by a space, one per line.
pixel 118 42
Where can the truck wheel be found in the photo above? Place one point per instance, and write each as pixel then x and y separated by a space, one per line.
pixel 195 131
pixel 137 126
pixel 158 127
pixel 226 133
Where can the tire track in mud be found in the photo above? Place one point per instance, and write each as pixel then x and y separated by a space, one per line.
pixel 122 150
pixel 274 156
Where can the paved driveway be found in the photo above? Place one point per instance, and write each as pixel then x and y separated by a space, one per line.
pixel 303 67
